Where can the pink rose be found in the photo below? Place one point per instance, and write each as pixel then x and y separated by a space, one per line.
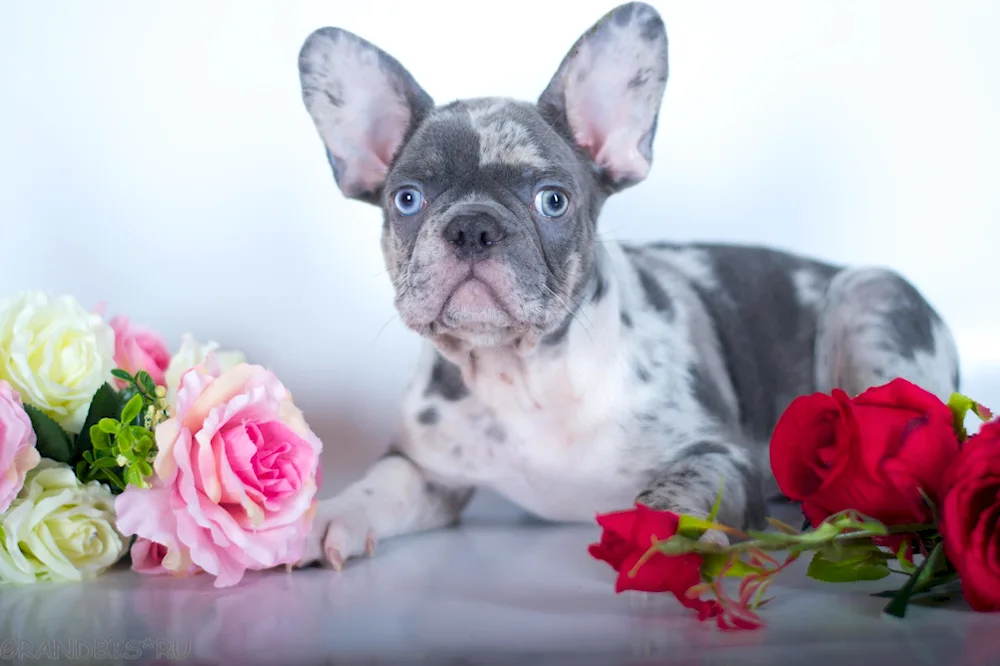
pixel 138 348
pixel 18 454
pixel 148 557
pixel 234 478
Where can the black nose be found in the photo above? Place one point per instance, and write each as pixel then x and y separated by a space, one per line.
pixel 473 235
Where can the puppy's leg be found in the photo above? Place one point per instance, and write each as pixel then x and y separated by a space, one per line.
pixel 394 497
pixel 874 327
pixel 689 484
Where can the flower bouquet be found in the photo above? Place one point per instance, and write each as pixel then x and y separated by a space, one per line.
pixel 192 462
pixel 889 482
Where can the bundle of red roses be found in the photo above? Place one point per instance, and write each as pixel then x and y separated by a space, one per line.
pixel 887 479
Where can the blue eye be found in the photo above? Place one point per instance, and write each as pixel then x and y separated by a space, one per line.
pixel 551 203
pixel 408 201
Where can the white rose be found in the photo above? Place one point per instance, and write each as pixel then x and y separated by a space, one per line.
pixel 58 528
pixel 55 354
pixel 194 353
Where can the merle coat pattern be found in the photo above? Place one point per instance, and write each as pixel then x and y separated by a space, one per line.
pixel 570 375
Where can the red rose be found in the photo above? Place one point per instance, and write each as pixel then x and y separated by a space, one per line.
pixel 970 518
pixel 628 535
pixel 874 454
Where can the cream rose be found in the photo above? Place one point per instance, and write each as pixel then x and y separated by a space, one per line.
pixel 192 353
pixel 55 354
pixel 58 528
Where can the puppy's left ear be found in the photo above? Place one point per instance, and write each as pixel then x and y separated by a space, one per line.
pixel 606 95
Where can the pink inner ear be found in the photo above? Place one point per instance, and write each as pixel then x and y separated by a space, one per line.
pixel 585 127
pixel 609 127
pixel 612 87
pixel 358 106
pixel 370 133
pixel 620 154
pixel 389 134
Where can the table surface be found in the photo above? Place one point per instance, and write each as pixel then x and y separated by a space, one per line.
pixel 501 588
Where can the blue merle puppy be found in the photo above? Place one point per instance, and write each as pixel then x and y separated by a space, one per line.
pixel 570 375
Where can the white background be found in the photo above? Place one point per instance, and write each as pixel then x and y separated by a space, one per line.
pixel 157 156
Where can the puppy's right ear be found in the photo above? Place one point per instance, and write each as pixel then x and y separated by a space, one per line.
pixel 363 103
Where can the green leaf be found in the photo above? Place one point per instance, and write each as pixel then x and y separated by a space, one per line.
pixel 920 580
pixel 960 407
pixel 132 409
pixel 100 440
pixel 145 380
pixel 845 571
pixel 886 594
pixel 81 470
pixel 51 440
pixel 713 564
pixel 692 527
pixel 106 403
pixel 109 426
pixel 125 440
pixel 822 533
pixel 104 463
pixel 680 544
pixel 903 556
pixel 122 375
pixel 930 505
pixel 88 457
pixel 111 478
pixel 718 501
pixel 134 478
pixel 143 446
pixel 144 468
pixel 850 553
pixel 929 586
pixel 852 520
pixel 935 561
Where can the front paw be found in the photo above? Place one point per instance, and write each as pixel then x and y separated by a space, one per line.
pixel 340 531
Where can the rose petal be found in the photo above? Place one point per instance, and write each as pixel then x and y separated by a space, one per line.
pixel 805 428
pixel 970 518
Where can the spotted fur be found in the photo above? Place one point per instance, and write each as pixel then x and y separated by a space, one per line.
pixel 573 376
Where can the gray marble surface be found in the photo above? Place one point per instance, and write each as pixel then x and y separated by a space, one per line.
pixel 499 589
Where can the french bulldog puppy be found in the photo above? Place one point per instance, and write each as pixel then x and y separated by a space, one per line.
pixel 569 374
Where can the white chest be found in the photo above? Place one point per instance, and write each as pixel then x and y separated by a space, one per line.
pixel 551 440
pixel 562 475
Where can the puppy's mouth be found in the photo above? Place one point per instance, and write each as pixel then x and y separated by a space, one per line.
pixel 475 307
pixel 460 306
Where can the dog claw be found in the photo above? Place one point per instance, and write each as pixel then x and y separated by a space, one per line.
pixel 335 559
pixel 370 544
pixel 290 567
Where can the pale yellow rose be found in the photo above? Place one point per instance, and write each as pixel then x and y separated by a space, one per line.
pixel 55 354
pixel 192 353
pixel 58 528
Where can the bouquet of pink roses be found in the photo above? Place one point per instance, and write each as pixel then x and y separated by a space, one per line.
pixel 109 444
